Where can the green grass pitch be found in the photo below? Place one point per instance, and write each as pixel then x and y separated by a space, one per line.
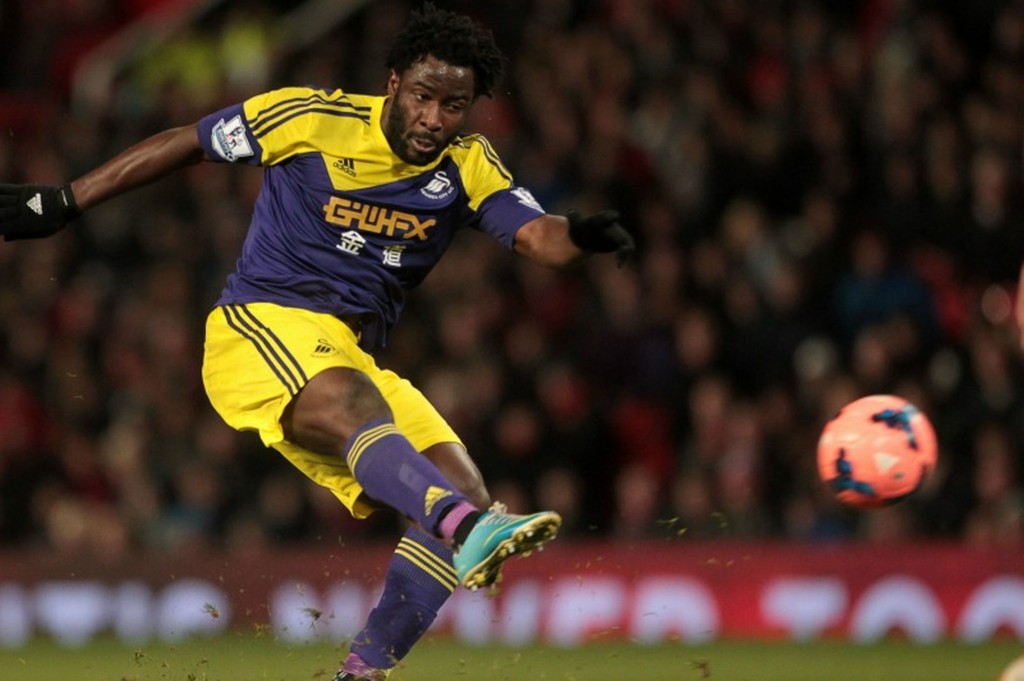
pixel 257 658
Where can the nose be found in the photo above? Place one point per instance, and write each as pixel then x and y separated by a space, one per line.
pixel 430 116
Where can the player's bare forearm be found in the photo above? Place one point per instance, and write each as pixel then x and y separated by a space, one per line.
pixel 546 240
pixel 140 164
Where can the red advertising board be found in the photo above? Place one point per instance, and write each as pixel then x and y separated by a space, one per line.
pixel 567 595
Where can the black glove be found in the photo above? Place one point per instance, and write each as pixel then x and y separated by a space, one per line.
pixel 34 211
pixel 601 233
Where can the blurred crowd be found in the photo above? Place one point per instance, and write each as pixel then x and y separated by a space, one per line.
pixel 827 198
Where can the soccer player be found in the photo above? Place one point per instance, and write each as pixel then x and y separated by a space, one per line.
pixel 361 196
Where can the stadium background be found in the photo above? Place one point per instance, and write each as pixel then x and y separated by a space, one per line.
pixel 827 200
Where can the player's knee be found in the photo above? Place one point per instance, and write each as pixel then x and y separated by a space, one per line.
pixel 360 399
pixel 331 407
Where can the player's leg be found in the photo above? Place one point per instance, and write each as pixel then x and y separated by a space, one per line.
pixel 265 370
pixel 257 371
pixel 341 412
pixel 420 578
pixel 254 367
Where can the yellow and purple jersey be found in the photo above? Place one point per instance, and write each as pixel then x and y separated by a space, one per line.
pixel 341 224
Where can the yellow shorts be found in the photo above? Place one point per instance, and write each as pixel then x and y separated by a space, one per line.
pixel 259 355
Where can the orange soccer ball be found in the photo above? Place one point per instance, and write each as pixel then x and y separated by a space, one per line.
pixel 876 451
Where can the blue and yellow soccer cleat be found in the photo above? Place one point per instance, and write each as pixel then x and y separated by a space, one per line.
pixel 496 537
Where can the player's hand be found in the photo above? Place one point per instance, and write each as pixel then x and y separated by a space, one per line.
pixel 601 233
pixel 34 211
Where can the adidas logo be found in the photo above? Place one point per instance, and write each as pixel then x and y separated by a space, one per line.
pixel 36 204
pixel 323 348
pixel 346 165
pixel 434 494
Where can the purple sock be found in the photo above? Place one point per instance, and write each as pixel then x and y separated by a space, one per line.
pixel 420 578
pixel 394 473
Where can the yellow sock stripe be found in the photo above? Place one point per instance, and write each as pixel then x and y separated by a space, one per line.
pixel 428 562
pixel 367 438
pixel 428 555
pixel 447 583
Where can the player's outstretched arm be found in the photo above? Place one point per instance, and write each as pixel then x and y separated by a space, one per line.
pixel 35 211
pixel 559 241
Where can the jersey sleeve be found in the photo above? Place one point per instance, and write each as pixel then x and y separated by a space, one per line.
pixel 500 207
pixel 504 212
pixel 226 136
pixel 272 127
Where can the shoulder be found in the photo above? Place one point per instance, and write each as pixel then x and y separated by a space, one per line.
pixel 473 143
pixel 289 102
pixel 474 154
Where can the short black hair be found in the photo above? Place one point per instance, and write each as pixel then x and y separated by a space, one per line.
pixel 452 38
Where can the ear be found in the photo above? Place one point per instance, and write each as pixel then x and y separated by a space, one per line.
pixel 393 82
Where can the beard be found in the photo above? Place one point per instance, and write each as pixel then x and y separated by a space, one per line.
pixel 401 140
